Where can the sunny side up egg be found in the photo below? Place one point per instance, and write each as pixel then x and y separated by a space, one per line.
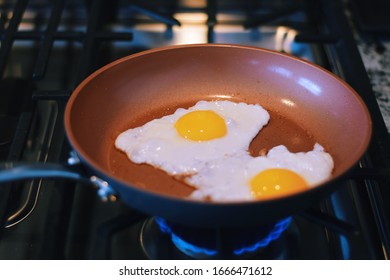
pixel 207 146
pixel 184 142
pixel 279 173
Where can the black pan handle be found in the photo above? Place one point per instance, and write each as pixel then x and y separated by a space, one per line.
pixel 16 171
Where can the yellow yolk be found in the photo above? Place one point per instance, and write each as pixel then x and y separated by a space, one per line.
pixel 276 182
pixel 201 125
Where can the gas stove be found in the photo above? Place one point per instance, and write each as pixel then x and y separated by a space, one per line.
pixel 48 47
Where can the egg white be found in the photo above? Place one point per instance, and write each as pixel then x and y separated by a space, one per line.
pixel 228 179
pixel 158 143
pixel 220 169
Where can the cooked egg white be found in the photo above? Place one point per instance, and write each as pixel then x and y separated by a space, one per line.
pixel 184 142
pixel 279 173
pixel 207 146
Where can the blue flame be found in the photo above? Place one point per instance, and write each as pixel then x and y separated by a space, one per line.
pixel 180 243
pixel 275 233
pixel 187 247
pixel 164 227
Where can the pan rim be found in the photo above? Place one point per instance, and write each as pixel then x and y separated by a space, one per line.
pixel 89 161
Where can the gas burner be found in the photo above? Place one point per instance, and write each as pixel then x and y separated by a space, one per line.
pixel 159 239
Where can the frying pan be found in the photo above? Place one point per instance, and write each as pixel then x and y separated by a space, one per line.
pixel 307 104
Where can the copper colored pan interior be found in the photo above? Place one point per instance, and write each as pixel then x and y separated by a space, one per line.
pixel 306 104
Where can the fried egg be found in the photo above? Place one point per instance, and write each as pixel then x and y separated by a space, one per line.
pixel 279 173
pixel 184 142
pixel 207 144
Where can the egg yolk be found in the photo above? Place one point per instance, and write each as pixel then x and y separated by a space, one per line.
pixel 201 125
pixel 276 182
